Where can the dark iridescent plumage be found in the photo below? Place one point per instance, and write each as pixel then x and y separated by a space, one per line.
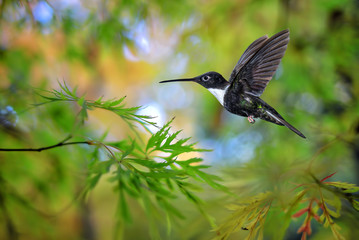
pixel 256 67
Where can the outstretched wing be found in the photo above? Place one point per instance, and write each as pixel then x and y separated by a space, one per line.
pixel 259 62
pixel 247 55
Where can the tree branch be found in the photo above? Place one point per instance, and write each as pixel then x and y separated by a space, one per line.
pixel 60 144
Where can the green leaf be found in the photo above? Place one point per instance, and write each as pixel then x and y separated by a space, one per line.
pixel 149 163
pixel 343 186
pixel 81 101
pixel 249 214
pixel 122 208
pixel 128 150
pixel 169 207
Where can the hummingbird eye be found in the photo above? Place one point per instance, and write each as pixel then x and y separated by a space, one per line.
pixel 205 78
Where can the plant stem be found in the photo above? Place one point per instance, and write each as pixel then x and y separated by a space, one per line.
pixel 60 144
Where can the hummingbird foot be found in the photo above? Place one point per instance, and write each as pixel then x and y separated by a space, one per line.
pixel 250 119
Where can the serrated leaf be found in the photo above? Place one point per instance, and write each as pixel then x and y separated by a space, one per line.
pixel 209 179
pixel 343 186
pixel 249 214
pixel 157 136
pixel 150 163
pixel 81 101
pixel 170 139
pixel 99 100
pixel 116 102
pixel 128 150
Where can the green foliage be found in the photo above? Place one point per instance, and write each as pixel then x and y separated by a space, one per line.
pixel 122 181
pixel 324 204
pixel 248 216
pixel 318 199
pixel 149 172
pixel 115 105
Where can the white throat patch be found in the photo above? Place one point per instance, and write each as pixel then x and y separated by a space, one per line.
pixel 219 94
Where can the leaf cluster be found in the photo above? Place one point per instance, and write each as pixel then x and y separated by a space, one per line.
pixel 319 200
pixel 249 216
pixel 117 106
pixel 324 202
pixel 149 171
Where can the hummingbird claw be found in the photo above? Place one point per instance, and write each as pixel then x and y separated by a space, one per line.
pixel 250 119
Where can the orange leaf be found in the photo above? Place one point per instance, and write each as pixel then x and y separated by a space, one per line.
pixel 304 228
pixel 300 212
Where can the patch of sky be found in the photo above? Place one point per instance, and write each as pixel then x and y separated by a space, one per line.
pixel 177 65
pixel 173 96
pixel 74 8
pixel 233 149
pixel 156 111
pixel 42 12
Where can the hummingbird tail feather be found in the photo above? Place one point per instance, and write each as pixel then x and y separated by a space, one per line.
pixel 280 121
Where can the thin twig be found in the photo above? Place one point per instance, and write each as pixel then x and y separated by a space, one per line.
pixel 60 144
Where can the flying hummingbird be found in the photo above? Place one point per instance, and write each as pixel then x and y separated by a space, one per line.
pixel 256 67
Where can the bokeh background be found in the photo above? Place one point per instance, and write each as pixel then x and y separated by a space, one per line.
pixel 124 48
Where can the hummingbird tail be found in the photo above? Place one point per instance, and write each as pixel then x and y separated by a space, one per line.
pixel 280 121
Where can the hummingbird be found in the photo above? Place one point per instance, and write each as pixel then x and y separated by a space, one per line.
pixel 240 95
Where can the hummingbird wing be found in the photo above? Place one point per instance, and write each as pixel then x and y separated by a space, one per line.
pixel 247 55
pixel 259 62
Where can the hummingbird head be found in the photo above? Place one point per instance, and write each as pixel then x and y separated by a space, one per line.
pixel 209 80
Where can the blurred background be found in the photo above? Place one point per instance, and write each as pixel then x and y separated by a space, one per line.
pixel 122 48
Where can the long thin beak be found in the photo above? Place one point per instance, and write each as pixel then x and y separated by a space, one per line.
pixel 179 80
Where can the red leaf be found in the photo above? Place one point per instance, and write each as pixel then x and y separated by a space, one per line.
pixel 309 228
pixel 300 212
pixel 303 228
pixel 327 177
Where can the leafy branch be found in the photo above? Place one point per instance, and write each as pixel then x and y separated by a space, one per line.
pixel 117 106
pixel 248 216
pixel 322 203
pixel 151 172
pixel 324 207
pixel 147 174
